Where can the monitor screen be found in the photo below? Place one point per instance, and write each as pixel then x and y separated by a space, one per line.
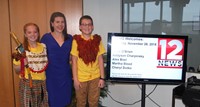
pixel 146 58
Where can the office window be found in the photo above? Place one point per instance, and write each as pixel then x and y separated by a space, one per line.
pixel 161 16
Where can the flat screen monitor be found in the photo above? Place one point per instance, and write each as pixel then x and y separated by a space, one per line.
pixel 146 58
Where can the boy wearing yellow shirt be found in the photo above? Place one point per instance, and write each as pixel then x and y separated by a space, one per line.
pixel 87 64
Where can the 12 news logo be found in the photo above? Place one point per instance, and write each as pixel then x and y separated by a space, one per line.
pixel 170 53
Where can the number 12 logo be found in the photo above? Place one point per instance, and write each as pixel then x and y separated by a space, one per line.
pixel 170 49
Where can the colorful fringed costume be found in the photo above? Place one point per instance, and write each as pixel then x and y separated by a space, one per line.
pixel 88 52
pixel 32 86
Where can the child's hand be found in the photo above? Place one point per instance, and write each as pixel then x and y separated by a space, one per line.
pixel 101 83
pixel 77 85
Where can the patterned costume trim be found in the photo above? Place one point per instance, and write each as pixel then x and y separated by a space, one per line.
pixel 37 62
pixel 35 96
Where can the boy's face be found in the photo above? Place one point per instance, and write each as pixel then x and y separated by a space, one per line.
pixel 86 27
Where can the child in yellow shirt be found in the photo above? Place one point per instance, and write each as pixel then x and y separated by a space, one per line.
pixel 31 65
pixel 87 64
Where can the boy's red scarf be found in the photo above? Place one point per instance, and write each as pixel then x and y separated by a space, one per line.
pixel 88 49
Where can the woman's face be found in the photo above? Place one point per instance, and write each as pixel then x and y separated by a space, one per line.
pixel 32 33
pixel 86 27
pixel 58 24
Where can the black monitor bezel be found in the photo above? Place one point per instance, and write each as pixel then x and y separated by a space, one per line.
pixel 146 80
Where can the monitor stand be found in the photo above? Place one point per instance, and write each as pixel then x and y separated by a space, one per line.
pixel 143 94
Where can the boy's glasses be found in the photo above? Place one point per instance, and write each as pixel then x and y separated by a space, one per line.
pixel 86 24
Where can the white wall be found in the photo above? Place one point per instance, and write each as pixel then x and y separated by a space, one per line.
pixel 106 15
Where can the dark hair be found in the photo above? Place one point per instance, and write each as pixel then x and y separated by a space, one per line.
pixel 59 14
pixel 26 44
pixel 85 17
